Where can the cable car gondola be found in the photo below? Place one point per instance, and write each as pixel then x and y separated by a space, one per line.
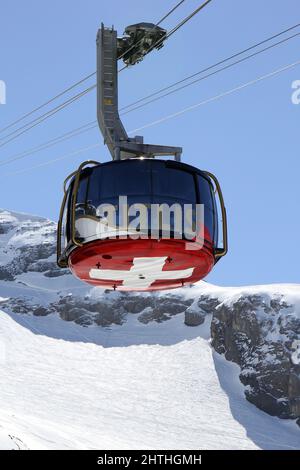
pixel 100 242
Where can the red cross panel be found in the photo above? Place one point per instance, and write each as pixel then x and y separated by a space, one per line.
pixel 140 265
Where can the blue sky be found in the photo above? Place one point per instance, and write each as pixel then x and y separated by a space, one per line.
pixel 248 139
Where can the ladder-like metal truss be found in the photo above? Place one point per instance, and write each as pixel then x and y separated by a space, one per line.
pixel 109 48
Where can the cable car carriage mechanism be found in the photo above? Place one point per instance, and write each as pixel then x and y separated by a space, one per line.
pixel 137 222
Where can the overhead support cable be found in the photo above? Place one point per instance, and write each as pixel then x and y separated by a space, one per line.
pixel 170 116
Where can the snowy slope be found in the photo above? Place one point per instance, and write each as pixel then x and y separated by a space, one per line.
pixel 106 391
pixel 124 371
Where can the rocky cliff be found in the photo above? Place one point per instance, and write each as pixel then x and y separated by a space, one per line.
pixel 261 332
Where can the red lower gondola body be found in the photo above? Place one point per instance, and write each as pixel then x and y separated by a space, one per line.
pixel 142 264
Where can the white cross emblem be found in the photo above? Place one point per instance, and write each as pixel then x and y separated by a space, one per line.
pixel 142 274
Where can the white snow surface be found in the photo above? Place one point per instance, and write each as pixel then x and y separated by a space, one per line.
pixel 132 386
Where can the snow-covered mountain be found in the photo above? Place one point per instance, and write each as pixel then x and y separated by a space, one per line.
pixel 85 368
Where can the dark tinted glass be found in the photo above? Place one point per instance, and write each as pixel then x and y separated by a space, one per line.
pixel 82 190
pixel 68 205
pixel 173 183
pixel 207 197
pixel 216 228
pixel 146 182
pixel 125 180
pixel 209 222
pixel 205 192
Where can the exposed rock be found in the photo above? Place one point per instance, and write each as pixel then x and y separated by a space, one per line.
pixel 193 318
pixel 40 311
pixel 5 274
pixel 56 272
pixel 28 242
pixel 5 227
pixel 135 304
pixel 259 333
pixel 109 316
pixel 195 314
pixel 17 305
pixel 78 315
pixel 207 303
pixel 163 309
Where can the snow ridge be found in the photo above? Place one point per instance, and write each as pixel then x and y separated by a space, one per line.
pixel 85 369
